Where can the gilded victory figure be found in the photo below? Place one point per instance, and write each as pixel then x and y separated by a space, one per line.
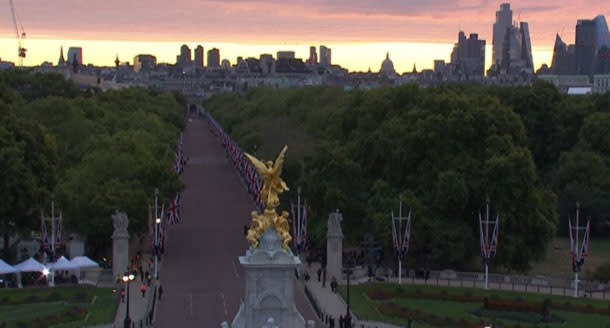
pixel 272 186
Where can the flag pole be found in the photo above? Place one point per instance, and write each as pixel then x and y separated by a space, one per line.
pixel 487 241
pixel 156 246
pixel 577 252
pixel 52 284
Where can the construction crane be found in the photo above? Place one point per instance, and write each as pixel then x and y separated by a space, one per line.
pixel 20 33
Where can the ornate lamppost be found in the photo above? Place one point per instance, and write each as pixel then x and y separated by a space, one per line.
pixel 127 277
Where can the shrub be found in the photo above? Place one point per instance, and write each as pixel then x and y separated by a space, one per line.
pixel 486 303
pixel 419 292
pixel 546 307
pixel 468 294
pixel 22 325
pixel 602 273
pixel 399 290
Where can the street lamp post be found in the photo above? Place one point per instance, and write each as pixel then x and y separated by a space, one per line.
pixel 156 241
pixel 127 277
pixel 348 318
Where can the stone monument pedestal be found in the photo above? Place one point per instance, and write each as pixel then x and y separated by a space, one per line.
pixel 334 247
pixel 269 293
pixel 120 245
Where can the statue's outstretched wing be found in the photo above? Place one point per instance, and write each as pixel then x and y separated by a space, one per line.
pixel 279 162
pixel 261 168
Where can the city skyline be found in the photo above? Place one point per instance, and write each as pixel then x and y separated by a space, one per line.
pixel 360 33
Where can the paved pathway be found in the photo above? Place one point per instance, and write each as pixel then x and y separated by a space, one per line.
pixel 200 274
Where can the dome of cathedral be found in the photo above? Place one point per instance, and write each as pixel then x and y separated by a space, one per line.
pixel 387 66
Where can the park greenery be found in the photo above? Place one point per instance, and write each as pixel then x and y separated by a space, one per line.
pixel 74 306
pixel 97 152
pixel 533 151
pixel 442 306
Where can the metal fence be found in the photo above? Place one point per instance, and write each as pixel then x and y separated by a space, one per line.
pixel 520 283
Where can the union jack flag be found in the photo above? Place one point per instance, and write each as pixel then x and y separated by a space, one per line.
pixel 173 213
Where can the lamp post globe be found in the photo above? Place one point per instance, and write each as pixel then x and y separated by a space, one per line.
pixel 127 277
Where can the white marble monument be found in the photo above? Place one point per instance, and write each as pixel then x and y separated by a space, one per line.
pixel 269 293
pixel 334 247
pixel 120 244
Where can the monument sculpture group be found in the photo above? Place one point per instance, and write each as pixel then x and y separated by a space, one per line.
pixel 269 264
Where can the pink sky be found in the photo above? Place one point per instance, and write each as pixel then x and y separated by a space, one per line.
pixel 291 21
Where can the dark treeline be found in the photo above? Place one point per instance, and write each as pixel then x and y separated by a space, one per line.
pixel 533 151
pixel 96 151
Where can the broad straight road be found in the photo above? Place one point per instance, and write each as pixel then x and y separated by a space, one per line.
pixel 201 277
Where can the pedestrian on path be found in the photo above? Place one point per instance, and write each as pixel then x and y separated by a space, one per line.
pixel 148 278
pixel 340 321
pixel 160 291
pixel 143 289
pixel 319 273
pixel 122 295
pixel 324 278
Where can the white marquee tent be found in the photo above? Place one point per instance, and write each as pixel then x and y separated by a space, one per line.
pixel 6 268
pixel 63 264
pixel 83 262
pixel 30 265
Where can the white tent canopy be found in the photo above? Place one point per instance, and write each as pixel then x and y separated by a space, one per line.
pixel 83 262
pixel 29 265
pixel 6 268
pixel 63 264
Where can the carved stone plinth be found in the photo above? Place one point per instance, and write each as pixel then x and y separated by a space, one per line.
pixel 334 247
pixel 269 293
pixel 120 244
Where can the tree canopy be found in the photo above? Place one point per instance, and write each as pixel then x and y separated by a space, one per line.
pixel 97 153
pixel 444 149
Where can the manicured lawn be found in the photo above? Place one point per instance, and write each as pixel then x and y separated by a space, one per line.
pixel 67 304
pixel 558 264
pixel 366 309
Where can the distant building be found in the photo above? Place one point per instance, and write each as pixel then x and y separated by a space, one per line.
pixel 285 55
pixel 199 57
pixel 266 64
pixel 387 67
pixel 144 63
pixel 585 46
pixel 563 61
pixel 504 20
pixel 226 64
pixel 184 59
pixel 61 61
pixel 591 52
pixel 75 56
pixel 213 58
pixel 468 57
pixel 325 56
pixel 313 56
pixel 512 48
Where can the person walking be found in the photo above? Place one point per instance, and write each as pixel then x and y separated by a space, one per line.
pixel 143 289
pixel 122 295
pixel 340 321
pixel 160 291
pixel 319 273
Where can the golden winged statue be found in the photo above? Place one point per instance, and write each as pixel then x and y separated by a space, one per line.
pixel 273 185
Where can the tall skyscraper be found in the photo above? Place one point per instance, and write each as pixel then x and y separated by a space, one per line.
pixel 199 56
pixel 590 53
pixel 325 56
pixel 313 56
pixel 184 59
pixel 468 56
pixel 214 58
pixel 512 48
pixel 585 46
pixel 504 20
pixel 563 57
